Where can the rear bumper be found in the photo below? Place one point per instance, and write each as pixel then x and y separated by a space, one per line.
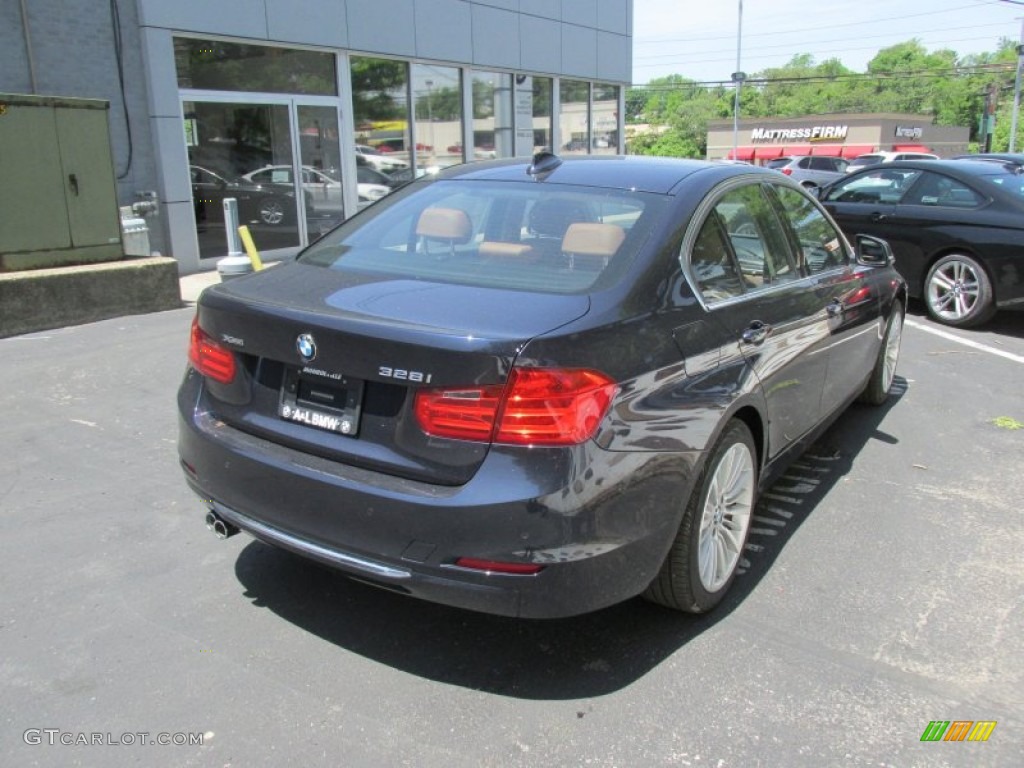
pixel 600 522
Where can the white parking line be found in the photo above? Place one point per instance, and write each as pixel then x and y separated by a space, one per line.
pixel 961 340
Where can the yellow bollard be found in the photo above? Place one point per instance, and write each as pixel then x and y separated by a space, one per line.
pixel 250 248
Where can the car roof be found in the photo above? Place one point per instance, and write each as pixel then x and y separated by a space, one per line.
pixel 630 172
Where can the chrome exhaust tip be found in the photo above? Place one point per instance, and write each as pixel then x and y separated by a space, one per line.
pixel 221 528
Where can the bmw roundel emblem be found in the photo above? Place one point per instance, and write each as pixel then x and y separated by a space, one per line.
pixel 306 347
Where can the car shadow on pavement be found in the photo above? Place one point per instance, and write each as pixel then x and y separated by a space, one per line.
pixel 580 657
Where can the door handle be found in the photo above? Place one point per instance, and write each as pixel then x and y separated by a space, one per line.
pixel 73 183
pixel 756 332
pixel 878 216
pixel 834 308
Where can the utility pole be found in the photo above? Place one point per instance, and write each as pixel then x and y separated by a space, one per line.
pixel 1016 91
pixel 737 77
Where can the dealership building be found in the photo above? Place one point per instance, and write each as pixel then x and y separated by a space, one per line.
pixel 760 140
pixel 305 110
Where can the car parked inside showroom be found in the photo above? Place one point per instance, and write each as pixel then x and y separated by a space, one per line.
pixel 260 204
pixel 537 388
pixel 956 228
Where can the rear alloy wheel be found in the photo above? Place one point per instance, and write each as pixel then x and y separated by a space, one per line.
pixel 877 390
pixel 958 291
pixel 271 211
pixel 702 562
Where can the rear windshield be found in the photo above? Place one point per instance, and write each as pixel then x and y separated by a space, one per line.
pixel 526 236
pixel 782 162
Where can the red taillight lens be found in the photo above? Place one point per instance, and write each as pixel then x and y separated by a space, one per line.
pixel 787 171
pixel 464 414
pixel 210 358
pixel 495 566
pixel 538 406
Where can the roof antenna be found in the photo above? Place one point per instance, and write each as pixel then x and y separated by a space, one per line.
pixel 544 162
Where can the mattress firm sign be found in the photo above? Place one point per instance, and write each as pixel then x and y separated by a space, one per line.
pixel 816 133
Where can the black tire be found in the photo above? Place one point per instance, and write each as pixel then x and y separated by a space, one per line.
pixel 882 375
pixel 958 292
pixel 679 584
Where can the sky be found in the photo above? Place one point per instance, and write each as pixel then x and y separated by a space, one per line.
pixel 698 38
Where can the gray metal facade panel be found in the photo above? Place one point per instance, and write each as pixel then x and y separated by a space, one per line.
pixel 612 15
pixel 613 59
pixel 443 30
pixel 312 22
pixel 581 12
pixel 237 18
pixel 549 9
pixel 161 75
pixel 579 51
pixel 382 26
pixel 540 44
pixel 496 38
pixel 508 5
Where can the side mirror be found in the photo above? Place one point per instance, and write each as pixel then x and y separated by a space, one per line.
pixel 873 251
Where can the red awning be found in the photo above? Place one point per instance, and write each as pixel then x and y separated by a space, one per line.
pixel 767 153
pixel 853 150
pixel 741 153
pixel 797 149
pixel 910 148
pixel 827 150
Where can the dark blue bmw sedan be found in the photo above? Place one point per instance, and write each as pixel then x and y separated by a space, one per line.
pixel 537 388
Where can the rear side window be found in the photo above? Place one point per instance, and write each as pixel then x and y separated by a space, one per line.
pixel 513 235
pixel 940 191
pixel 882 185
pixel 821 246
pixel 741 247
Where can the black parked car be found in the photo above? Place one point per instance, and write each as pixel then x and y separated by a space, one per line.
pixel 956 228
pixel 537 389
pixel 257 203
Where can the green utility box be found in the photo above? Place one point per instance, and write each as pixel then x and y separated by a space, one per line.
pixel 58 197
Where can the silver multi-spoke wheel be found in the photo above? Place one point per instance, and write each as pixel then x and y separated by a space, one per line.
pixel 958 291
pixel 271 211
pixel 726 517
pixel 706 550
pixel 891 353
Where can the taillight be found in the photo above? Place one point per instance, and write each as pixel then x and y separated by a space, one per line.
pixel 210 358
pixel 537 406
pixel 787 171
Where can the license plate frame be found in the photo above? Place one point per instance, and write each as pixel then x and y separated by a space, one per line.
pixel 341 418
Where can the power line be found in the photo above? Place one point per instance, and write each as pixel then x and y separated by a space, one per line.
pixel 980 69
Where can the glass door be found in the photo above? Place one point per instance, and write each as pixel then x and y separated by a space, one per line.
pixel 243 151
pixel 320 163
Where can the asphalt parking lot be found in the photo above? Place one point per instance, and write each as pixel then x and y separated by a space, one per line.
pixel 882 590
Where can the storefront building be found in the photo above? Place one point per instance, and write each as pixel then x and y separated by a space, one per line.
pixel 760 140
pixel 305 111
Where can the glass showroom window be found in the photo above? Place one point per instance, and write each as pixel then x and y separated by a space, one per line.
pixel 380 107
pixel 437 99
pixel 492 115
pixel 218 66
pixel 536 113
pixel 574 116
pixel 605 120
